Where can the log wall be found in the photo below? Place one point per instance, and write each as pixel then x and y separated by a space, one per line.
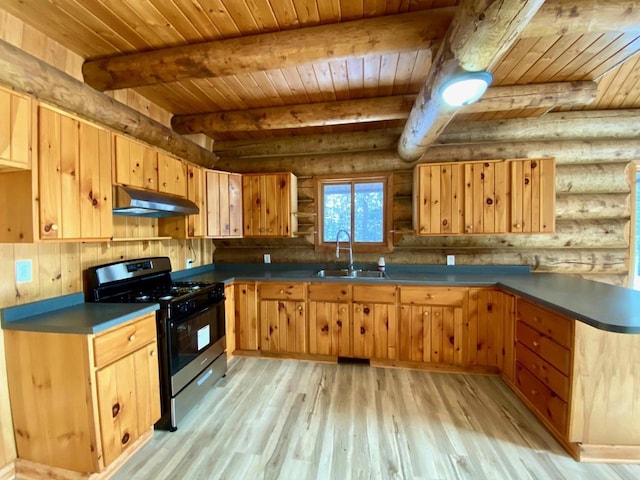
pixel 592 197
pixel 58 267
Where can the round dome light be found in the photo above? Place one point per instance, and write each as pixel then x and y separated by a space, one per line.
pixel 465 88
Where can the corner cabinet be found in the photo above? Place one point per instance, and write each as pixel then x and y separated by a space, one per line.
pixel 486 197
pixel 103 388
pixel 270 204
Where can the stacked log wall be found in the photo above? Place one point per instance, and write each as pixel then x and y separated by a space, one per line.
pixel 593 196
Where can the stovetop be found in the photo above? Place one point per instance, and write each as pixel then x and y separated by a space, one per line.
pixel 167 293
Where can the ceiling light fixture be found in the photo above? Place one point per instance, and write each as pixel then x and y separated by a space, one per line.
pixel 465 88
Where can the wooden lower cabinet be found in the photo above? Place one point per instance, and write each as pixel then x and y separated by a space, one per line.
pixel 374 322
pixel 103 389
pixel 246 316
pixel 330 328
pixel 282 318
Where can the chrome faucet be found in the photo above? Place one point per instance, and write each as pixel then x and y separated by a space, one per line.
pixel 350 248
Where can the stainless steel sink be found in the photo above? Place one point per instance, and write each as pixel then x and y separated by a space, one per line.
pixel 344 273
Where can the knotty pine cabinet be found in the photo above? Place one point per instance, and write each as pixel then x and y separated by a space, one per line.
pixel 374 322
pixel 15 131
pixel 246 315
pixel 431 326
pixel 189 226
pixel 330 325
pixel 224 204
pixel 103 391
pixel 486 197
pixel 172 175
pixel 282 317
pixel 269 204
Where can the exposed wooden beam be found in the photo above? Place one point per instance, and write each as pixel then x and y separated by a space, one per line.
pixel 27 74
pixel 379 109
pixel 374 36
pixel 480 33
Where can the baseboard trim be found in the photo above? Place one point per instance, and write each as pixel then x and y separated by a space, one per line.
pixel 608 453
pixel 8 472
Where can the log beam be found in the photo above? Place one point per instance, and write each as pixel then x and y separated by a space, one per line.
pixel 396 107
pixel 480 33
pixel 27 74
pixel 375 36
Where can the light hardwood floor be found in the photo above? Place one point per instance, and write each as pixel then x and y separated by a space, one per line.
pixel 285 419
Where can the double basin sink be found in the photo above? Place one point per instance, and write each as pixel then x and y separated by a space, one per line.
pixel 344 273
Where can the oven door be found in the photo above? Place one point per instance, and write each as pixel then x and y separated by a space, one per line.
pixel 194 342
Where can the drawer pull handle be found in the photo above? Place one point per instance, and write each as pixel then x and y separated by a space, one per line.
pixel 115 410
pixel 132 337
pixel 125 438
pixel 536 344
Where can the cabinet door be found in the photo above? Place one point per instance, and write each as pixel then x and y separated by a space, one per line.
pixel 438 199
pixel 533 195
pixel 214 228
pixel 432 334
pixel 74 178
pixel 269 202
pixel 136 165
pixel 15 131
pixel 283 326
pixel 330 328
pixel 490 330
pixel 235 205
pixel 374 331
pixel 172 175
pixel 485 197
pixel 246 316
pixel 196 193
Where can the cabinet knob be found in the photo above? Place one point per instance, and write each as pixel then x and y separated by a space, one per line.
pixel 115 410
pixel 281 291
pixel 54 227
pixel 125 438
pixel 426 314
pixel 517 225
pixel 536 344
pixel 534 392
pixel 300 307
pixel 342 310
pixel 358 310
pixel 132 337
pixel 152 353
pixel 537 319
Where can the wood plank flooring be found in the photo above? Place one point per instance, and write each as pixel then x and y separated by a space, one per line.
pixel 285 419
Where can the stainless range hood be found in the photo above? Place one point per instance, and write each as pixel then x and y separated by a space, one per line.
pixel 134 202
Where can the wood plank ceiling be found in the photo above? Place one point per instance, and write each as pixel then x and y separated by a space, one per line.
pixel 98 28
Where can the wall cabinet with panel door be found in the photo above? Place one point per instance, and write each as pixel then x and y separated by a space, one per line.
pixel 246 315
pixel 270 205
pixel 104 400
pixel 431 326
pixel 224 204
pixel 15 131
pixel 330 319
pixel 136 165
pixel 489 330
pixel 487 197
pixel 374 322
pixel 282 317
pixel 189 226
pixel 172 175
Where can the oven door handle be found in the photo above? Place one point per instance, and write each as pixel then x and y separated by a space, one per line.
pixel 177 321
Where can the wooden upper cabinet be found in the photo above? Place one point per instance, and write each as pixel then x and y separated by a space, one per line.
pixel 74 178
pixel 190 226
pixel 172 175
pixel 224 204
pixel 270 205
pixel 488 197
pixel 533 195
pixel 15 131
pixel 136 165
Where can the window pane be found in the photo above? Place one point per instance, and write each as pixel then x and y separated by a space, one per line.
pixel 368 212
pixel 337 210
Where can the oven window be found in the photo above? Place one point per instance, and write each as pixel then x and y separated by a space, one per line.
pixel 191 336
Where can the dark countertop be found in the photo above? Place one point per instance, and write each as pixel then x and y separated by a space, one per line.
pixel 603 306
pixel 69 314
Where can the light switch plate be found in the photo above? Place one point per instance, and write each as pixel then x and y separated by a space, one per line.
pixel 267 258
pixel 24 271
pixel 451 259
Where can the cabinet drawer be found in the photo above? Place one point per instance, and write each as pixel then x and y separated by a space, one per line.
pixel 543 371
pixel 433 295
pixel 374 293
pixel 551 324
pixel 281 291
pixel 548 404
pixel 330 292
pixel 544 347
pixel 120 341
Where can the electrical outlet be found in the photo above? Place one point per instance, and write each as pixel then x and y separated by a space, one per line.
pixel 451 259
pixel 23 271
pixel 267 258
pixel 189 263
